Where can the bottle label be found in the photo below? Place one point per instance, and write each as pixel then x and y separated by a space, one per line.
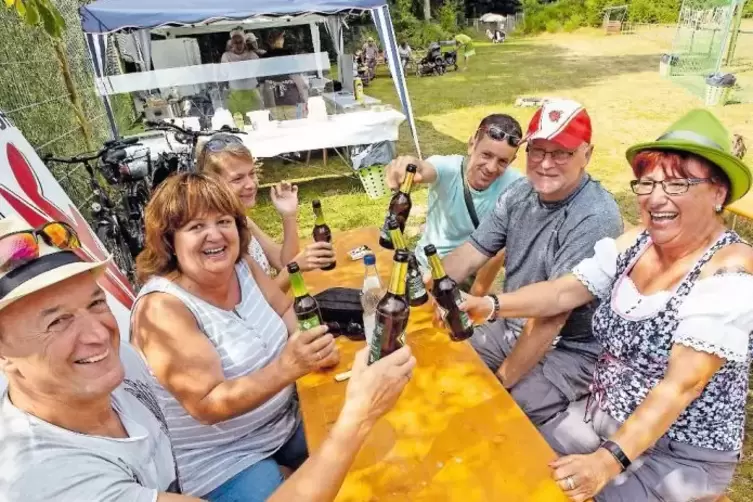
pixel 416 287
pixel 375 350
pixel 465 321
pixel 308 323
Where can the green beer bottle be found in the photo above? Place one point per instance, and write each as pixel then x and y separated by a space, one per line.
pixel 322 233
pixel 305 307
pixel 447 294
pixel 415 289
pixel 400 206
pixel 392 313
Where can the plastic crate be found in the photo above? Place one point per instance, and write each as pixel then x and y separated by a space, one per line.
pixel 717 95
pixel 372 179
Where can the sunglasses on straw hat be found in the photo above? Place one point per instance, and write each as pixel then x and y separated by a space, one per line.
pixel 32 259
pixel 19 248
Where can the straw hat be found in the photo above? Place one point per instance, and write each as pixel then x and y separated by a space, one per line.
pixel 52 266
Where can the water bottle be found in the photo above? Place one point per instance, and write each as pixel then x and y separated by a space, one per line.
pixel 371 294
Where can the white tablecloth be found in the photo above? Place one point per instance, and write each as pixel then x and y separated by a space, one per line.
pixel 356 128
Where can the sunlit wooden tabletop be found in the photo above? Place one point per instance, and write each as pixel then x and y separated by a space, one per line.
pixel 454 435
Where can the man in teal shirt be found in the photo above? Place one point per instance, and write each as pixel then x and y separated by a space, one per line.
pixel 485 170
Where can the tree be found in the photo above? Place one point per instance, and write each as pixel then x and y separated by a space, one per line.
pixel 477 8
pixel 427 10
pixel 45 14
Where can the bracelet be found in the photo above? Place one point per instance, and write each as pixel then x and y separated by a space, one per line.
pixel 495 308
pixel 617 453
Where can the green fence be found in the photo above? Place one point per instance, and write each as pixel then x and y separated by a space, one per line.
pixel 34 97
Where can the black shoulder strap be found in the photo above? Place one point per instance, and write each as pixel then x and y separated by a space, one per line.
pixel 468 198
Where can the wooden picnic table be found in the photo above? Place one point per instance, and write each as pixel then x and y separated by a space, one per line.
pixel 454 435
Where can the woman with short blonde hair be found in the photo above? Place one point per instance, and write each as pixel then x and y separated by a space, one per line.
pixel 225 156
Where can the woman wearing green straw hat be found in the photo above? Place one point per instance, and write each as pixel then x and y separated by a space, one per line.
pixel 665 418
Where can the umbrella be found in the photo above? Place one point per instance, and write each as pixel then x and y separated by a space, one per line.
pixel 493 18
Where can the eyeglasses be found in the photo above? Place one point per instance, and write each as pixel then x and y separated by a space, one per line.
pixel 19 248
pixel 219 143
pixel 497 134
pixel 671 187
pixel 559 157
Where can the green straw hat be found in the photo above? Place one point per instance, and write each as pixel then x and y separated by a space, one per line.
pixel 701 133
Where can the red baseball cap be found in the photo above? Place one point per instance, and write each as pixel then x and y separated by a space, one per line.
pixel 563 121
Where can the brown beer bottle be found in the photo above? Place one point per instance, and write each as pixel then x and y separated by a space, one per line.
pixel 391 313
pixel 305 306
pixel 415 290
pixel 400 205
pixel 447 294
pixel 322 233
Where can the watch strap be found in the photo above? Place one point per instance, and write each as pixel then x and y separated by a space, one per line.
pixel 495 308
pixel 617 453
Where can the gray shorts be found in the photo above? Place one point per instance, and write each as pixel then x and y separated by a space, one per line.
pixel 669 471
pixel 561 377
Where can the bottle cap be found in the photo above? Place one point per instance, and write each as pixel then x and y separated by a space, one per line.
pixel 369 259
pixel 293 268
pixel 401 256
pixel 430 250
pixel 411 168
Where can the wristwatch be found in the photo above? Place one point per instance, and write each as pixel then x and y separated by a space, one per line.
pixel 617 453
pixel 495 308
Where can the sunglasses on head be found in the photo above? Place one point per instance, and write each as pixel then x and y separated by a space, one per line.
pixel 19 248
pixel 219 143
pixel 497 134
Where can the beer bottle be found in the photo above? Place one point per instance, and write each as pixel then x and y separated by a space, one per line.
pixel 322 233
pixel 305 306
pixel 391 313
pixel 415 290
pixel 448 297
pixel 400 205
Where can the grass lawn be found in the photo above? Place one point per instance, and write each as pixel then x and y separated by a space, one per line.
pixel 615 77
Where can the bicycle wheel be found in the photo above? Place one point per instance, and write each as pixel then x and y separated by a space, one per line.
pixel 116 246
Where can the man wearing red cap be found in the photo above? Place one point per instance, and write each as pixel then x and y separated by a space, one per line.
pixel 548 222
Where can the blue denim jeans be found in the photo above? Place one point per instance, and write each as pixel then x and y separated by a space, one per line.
pixel 259 481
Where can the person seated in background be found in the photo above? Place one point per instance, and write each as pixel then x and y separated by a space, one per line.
pixel 463 190
pixel 252 44
pixel 665 420
pixel 80 421
pixel 547 222
pixel 286 94
pixel 222 342
pixel 405 52
pixel 225 156
pixel 244 93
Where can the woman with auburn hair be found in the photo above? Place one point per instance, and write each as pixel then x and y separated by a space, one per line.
pixel 224 155
pixel 214 330
pixel 665 418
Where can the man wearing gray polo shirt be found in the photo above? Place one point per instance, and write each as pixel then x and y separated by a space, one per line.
pixel 547 222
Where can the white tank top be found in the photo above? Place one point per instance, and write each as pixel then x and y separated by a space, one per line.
pixel 257 253
pixel 247 339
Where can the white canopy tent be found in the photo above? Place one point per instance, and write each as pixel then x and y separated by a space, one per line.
pixel 171 18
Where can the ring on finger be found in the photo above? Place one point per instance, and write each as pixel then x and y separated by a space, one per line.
pixel 570 483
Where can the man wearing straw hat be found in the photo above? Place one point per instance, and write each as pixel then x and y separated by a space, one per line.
pixel 79 420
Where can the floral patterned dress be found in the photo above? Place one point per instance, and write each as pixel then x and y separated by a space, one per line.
pixel 637 347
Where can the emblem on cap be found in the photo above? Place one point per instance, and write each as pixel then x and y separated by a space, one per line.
pixel 555 115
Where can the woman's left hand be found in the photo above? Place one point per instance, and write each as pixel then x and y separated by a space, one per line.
pixel 581 477
pixel 285 198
